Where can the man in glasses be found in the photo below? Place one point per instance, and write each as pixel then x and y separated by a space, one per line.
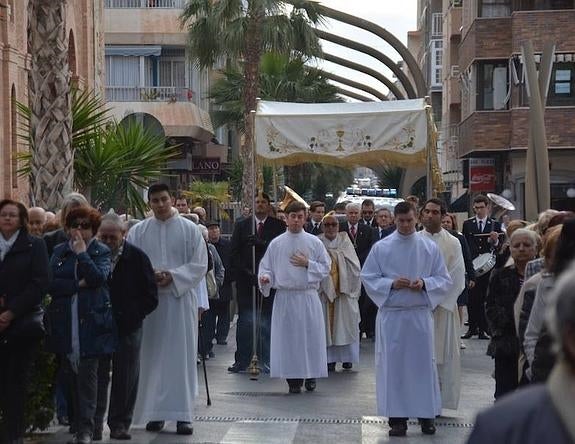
pixel 368 213
pixel 482 235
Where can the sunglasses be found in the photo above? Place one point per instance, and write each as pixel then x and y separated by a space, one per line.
pixel 82 225
pixel 330 224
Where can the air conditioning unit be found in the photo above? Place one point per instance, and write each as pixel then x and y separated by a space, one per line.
pixel 454 71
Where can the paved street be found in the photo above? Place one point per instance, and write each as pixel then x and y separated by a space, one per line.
pixel 342 410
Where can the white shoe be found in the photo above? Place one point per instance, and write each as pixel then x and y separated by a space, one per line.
pixel 462 346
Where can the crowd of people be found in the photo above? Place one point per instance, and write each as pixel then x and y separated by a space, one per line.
pixel 135 304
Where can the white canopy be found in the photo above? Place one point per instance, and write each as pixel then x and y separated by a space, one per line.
pixel 394 132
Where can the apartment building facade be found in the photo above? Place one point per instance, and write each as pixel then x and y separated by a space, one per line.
pixel 85 57
pixel 151 77
pixel 486 102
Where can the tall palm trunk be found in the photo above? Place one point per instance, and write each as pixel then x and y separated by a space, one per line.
pixel 49 90
pixel 251 73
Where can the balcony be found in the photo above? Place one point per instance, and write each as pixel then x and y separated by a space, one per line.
pixel 137 4
pixel 487 38
pixel 453 22
pixel 149 94
pixel 485 131
pixel 453 91
pixel 544 26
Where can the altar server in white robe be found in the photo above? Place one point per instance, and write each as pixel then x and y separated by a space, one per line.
pixel 406 277
pixel 339 296
pixel 446 316
pixel 168 372
pixel 294 264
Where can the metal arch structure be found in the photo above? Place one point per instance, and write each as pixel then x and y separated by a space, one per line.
pixel 388 37
pixel 353 95
pixel 366 70
pixel 360 47
pixel 368 89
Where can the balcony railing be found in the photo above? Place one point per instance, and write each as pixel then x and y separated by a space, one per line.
pixel 149 94
pixel 126 4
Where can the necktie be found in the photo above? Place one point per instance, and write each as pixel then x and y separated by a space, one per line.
pixel 480 223
pixel 352 231
pixel 381 233
pixel 260 229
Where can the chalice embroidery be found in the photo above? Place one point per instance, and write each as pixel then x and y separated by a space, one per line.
pixel 339 134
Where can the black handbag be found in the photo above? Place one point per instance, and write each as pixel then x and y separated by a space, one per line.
pixel 29 325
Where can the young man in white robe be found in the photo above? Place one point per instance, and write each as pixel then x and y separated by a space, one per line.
pixel 446 316
pixel 168 372
pixel 406 277
pixel 294 264
pixel 339 296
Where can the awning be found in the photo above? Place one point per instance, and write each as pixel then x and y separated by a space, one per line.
pixel 133 51
pixel 460 205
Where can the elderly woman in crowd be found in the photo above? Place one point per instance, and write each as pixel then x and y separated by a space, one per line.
pixel 80 314
pixel 537 344
pixel 24 278
pixel 503 289
pixel 339 294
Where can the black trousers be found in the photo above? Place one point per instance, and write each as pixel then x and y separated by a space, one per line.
pixel 216 322
pixel 506 375
pixel 125 366
pixel 476 305
pixel 16 361
pixel 368 313
pixel 244 327
pixel 84 385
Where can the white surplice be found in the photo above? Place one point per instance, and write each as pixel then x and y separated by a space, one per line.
pixel 340 300
pixel 297 348
pixel 446 320
pixel 406 373
pixel 168 371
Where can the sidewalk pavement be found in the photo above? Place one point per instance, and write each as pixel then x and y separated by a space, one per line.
pixel 341 410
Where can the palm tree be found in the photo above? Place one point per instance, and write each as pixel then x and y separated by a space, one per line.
pixel 112 161
pixel 52 166
pixel 244 30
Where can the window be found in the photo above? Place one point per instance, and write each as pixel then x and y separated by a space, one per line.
pixel 562 85
pixel 436 62
pixel 436 24
pixel 494 8
pixel 492 85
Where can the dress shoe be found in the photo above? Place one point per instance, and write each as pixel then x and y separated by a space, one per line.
pixel 211 354
pixel 347 365
pixel 236 368
pixel 310 384
pixel 81 438
pixel 97 434
pixel 427 426
pixel 482 335
pixel 155 426
pixel 398 430
pixel 294 389
pixel 331 367
pixel 120 434
pixel 468 334
pixel 184 428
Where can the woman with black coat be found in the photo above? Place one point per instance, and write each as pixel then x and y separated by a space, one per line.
pixel 24 279
pixel 504 286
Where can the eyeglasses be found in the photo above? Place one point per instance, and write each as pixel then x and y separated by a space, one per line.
pixel 330 224
pixel 83 225
pixel 9 215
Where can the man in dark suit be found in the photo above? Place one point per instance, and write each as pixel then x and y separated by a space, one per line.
pixel 316 213
pixel 368 213
pixel 540 413
pixel 134 295
pixel 243 243
pixel 482 235
pixel 361 236
pixel 217 318
pixel 385 225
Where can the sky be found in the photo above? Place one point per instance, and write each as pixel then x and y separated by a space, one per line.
pixel 396 16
